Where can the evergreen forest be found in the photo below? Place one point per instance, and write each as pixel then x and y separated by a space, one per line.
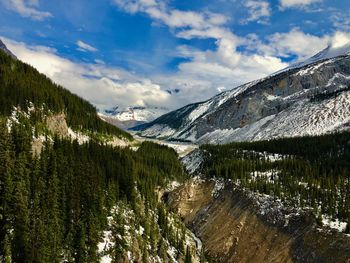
pixel 61 203
pixel 22 85
pixel 306 172
pixel 54 207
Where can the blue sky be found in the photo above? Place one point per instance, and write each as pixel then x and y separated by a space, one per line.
pixel 133 52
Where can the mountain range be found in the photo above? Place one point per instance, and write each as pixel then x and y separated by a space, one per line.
pixel 77 189
pixel 132 116
pixel 307 98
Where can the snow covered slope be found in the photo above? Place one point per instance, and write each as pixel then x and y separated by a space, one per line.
pixel 308 98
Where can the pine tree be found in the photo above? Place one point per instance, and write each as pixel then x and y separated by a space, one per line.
pixel 53 221
pixel 6 251
pixel 21 211
pixel 6 186
pixel 188 257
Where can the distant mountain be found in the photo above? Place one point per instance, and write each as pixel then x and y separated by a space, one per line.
pixel 131 116
pixel 6 50
pixel 308 98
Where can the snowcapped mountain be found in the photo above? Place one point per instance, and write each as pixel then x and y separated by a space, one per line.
pixel 308 98
pixel 5 49
pixel 327 53
pixel 131 116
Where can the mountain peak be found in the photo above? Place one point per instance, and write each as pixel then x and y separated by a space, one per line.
pixel 6 50
pixel 331 51
pixel 310 98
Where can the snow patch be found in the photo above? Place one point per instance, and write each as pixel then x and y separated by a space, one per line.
pixel 334 224
pixel 158 130
pixel 218 187
pixel 104 246
pixel 193 161
pixel 81 138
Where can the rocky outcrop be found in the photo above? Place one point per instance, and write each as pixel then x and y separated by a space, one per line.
pixel 237 227
pixel 57 125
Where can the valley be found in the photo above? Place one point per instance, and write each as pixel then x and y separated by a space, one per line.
pixel 261 217
pixel 239 227
pixel 259 173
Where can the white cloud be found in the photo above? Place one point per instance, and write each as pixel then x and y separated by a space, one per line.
pixel 297 3
pixel 201 76
pixel 296 42
pixel 104 86
pixel 26 8
pixel 207 70
pixel 85 47
pixel 107 87
pixel 259 11
pixel 340 39
pixel 173 18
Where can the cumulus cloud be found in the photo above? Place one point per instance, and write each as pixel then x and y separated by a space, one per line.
pixel 259 11
pixel 297 3
pixel 204 74
pixel 340 39
pixel 235 60
pixel 85 47
pixel 104 86
pixel 190 25
pixel 26 8
pixel 296 44
pixel 173 18
pixel 208 71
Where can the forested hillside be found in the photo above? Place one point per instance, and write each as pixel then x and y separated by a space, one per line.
pixel 21 84
pixel 54 207
pixel 305 172
pixel 79 200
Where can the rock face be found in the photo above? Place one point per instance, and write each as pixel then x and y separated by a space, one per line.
pixel 57 125
pixel 308 100
pixel 236 227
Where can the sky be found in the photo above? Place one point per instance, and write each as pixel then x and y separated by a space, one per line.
pixel 167 53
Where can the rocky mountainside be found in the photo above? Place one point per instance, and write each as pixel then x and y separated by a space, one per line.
pixel 235 226
pixel 308 98
pixel 283 200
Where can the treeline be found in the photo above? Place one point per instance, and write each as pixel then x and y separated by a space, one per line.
pixel 310 147
pixel 53 207
pixel 21 84
pixel 308 172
